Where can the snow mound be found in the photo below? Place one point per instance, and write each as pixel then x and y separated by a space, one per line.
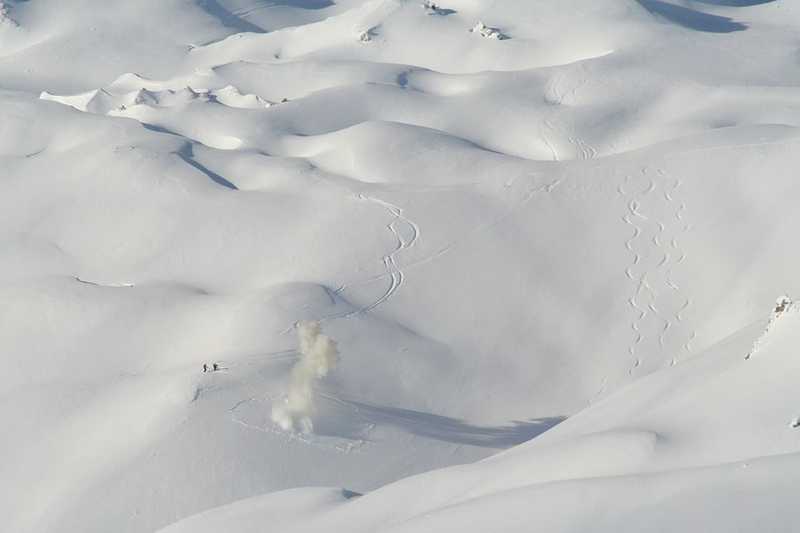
pixel 106 101
pixel 433 8
pixel 231 97
pixel 490 33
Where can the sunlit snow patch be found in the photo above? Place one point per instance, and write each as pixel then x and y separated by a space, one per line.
pixel 231 97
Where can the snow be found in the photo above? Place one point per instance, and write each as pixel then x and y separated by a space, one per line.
pixel 674 451
pixel 545 239
pixel 485 31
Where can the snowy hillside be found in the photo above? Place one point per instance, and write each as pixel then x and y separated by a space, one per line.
pixel 495 265
pixel 676 451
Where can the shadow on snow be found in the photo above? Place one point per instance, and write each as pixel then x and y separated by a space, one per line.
pixel 693 19
pixel 444 428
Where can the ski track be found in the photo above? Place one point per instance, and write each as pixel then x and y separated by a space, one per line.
pixel 393 273
pixel 552 93
pixel 527 197
pixel 584 149
pixel 290 436
pixel 396 277
pixel 670 195
pixel 547 142
pixel 556 94
pixel 655 285
pixel 390 261
pixel 345 447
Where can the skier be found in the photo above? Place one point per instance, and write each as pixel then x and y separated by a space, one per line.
pixel 205 368
pixel 216 367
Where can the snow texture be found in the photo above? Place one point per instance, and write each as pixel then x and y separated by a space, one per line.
pixel 549 263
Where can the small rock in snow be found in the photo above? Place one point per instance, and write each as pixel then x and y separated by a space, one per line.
pixel 490 33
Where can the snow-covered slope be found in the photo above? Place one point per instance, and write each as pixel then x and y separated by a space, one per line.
pixel 502 212
pixel 709 445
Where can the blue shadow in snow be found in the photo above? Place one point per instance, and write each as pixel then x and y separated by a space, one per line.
pixel 187 154
pixel 228 19
pixel 448 429
pixel 443 12
pixel 691 18
pixel 302 4
pixel 735 3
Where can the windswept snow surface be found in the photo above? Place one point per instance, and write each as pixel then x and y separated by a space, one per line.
pixel 503 214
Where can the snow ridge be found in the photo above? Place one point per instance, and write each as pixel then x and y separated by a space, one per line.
pixel 783 306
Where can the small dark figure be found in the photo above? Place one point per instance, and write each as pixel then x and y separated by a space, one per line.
pixel 782 304
pixel 205 368
pixel 216 367
pixel 284 100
